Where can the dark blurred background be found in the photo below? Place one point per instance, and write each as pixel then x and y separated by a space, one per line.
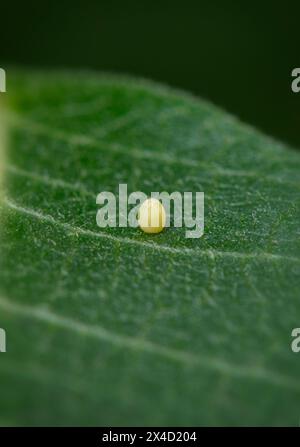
pixel 237 54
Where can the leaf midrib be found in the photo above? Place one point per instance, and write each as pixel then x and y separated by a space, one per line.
pixel 265 256
pixel 145 346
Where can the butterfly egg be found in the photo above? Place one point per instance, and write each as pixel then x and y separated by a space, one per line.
pixel 152 216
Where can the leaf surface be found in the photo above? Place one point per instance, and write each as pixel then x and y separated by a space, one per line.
pixel 117 327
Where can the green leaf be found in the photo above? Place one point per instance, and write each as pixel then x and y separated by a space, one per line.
pixel 117 327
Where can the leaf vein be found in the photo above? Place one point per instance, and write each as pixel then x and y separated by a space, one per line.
pixel 154 246
pixel 142 345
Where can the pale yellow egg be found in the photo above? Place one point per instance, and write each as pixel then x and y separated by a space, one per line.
pixel 152 216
